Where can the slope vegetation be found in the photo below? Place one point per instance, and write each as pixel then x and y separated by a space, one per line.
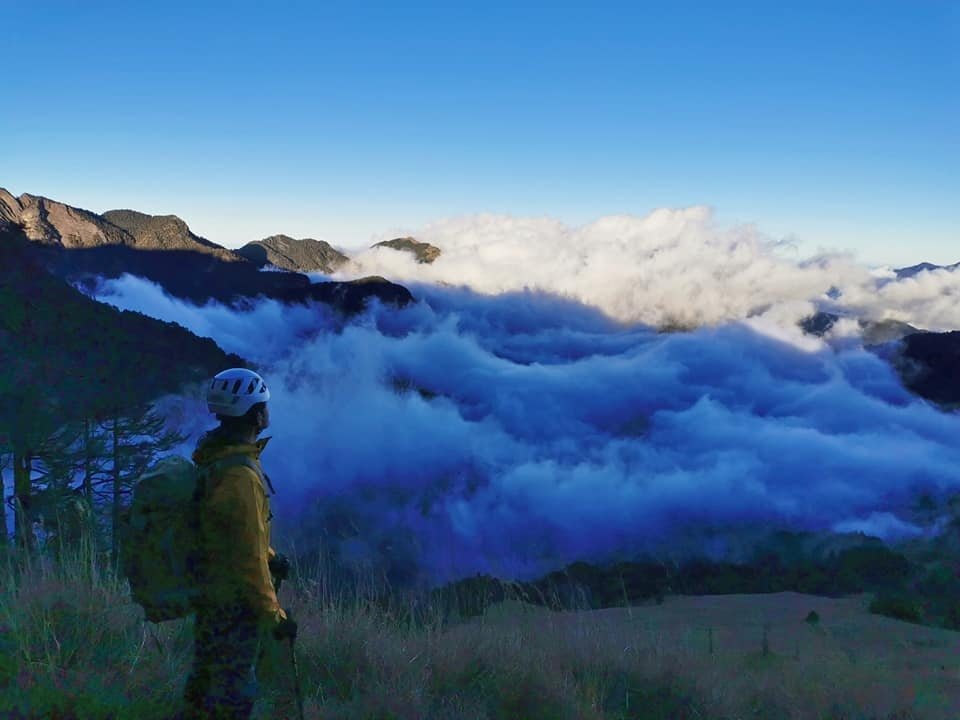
pixel 282 251
pixel 57 345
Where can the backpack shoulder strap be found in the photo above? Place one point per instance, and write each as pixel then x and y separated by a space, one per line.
pixel 224 463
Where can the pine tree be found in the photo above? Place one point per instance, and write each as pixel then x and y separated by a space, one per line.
pixel 58 502
pixel 76 471
pixel 31 422
pixel 94 450
pixel 66 357
pixel 137 439
pixel 41 480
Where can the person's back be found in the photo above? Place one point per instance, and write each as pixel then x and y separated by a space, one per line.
pixel 237 602
pixel 235 524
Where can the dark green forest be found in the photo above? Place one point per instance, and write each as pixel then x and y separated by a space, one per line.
pixel 77 382
pixel 927 593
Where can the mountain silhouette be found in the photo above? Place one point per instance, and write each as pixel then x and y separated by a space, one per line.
pixel 80 246
pixel 425 253
pixel 282 251
pixel 913 270
pixel 58 344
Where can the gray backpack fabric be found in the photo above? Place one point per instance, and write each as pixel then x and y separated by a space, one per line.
pixel 160 553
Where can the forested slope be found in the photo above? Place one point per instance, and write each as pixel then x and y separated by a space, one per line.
pixel 65 358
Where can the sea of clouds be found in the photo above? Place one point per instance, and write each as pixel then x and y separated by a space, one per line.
pixel 526 412
pixel 671 268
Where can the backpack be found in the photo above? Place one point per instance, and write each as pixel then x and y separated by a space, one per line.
pixel 160 552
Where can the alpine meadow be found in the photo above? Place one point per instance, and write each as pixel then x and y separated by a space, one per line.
pixel 480 362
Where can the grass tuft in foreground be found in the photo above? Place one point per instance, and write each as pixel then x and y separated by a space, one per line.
pixel 72 645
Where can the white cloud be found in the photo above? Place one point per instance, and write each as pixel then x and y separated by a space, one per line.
pixel 669 268
pixel 672 267
pixel 929 300
pixel 549 433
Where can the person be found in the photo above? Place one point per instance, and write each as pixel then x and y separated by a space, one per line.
pixel 237 603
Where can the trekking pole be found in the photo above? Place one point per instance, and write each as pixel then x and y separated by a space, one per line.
pixel 293 659
pixel 296 679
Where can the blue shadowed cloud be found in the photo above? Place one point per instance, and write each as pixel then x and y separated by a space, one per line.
pixel 513 433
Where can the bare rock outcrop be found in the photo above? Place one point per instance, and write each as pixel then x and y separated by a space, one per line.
pixel 57 225
pixel 10 208
pixel 53 223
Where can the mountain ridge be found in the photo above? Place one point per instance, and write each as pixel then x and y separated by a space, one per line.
pixel 53 223
pixel 163 232
pixel 913 270
pixel 287 253
pixel 47 326
pixel 79 245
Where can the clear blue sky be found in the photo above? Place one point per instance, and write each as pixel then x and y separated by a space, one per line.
pixel 837 122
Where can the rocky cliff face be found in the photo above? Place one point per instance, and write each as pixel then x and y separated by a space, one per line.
pixel 52 223
pixel 282 251
pixel 424 252
pixel 10 208
pixel 56 224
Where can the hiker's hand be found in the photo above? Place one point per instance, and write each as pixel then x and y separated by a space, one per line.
pixel 279 566
pixel 284 629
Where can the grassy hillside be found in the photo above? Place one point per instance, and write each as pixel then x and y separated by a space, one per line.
pixel 74 647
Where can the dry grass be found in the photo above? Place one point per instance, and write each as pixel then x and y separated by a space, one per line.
pixel 73 646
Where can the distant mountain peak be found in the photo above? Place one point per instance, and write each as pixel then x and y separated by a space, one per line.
pixel 287 253
pixel 913 270
pixel 163 232
pixel 425 253
pixel 54 223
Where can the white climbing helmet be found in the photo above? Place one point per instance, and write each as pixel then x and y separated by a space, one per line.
pixel 234 391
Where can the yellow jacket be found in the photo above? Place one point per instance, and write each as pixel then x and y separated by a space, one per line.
pixel 235 529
